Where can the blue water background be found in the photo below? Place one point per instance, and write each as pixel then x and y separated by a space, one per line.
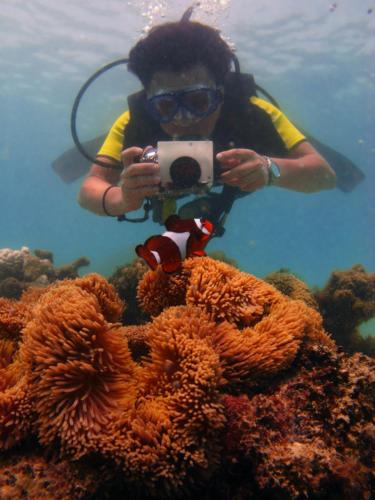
pixel 317 61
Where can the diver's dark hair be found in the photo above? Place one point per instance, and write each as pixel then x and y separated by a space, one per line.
pixel 177 46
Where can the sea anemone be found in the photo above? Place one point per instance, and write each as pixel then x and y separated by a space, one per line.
pixel 224 292
pixel 15 404
pixel 111 305
pixel 13 317
pixel 137 339
pixel 158 290
pixel 15 407
pixel 172 436
pixel 78 364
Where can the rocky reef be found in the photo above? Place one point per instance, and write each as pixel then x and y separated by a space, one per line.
pixel 225 388
pixel 20 269
pixel 347 301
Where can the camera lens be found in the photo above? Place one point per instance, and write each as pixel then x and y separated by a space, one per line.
pixel 185 172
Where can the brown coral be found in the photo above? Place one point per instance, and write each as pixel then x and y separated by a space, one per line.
pixel 30 475
pixel 125 280
pixel 309 435
pixel 288 284
pixel 347 300
pixel 78 365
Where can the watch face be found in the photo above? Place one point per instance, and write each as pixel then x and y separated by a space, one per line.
pixel 275 171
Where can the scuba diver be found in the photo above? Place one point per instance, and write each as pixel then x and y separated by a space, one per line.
pixel 190 93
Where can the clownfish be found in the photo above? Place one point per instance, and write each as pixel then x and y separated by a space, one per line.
pixel 183 238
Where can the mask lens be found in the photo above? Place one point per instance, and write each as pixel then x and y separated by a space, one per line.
pixel 163 107
pixel 202 102
pixel 198 101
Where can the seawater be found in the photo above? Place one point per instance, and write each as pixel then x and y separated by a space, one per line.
pixel 315 58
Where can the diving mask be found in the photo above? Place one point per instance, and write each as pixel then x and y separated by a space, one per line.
pixel 198 101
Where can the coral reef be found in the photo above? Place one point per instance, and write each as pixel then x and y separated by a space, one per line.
pixel 233 390
pixel 70 271
pixel 125 280
pixel 346 301
pixel 20 269
pixel 288 284
pixel 30 475
pixel 309 436
pixel 12 262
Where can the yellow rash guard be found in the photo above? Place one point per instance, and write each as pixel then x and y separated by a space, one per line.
pixel 289 134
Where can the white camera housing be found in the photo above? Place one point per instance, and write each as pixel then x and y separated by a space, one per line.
pixel 201 152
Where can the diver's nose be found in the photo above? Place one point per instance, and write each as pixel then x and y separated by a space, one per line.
pixel 184 118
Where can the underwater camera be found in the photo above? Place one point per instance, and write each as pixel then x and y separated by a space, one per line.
pixel 185 166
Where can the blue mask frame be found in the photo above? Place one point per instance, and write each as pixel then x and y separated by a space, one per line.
pixel 179 100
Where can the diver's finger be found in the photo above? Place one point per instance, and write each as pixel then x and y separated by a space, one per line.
pixel 238 153
pixel 140 169
pixel 144 191
pixel 244 170
pixel 128 155
pixel 252 186
pixel 141 181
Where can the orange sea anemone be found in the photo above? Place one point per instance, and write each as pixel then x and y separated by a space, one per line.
pixel 13 317
pixel 137 339
pixel 226 293
pixel 110 303
pixel 158 290
pixel 173 434
pixel 15 405
pixel 221 290
pixel 15 408
pixel 78 364
pixel 250 355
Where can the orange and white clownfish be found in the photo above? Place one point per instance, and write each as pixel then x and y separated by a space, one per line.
pixel 183 238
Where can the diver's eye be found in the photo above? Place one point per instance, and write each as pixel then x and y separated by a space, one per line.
pixel 198 100
pixel 165 106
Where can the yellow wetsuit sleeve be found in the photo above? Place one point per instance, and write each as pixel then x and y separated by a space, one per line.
pixel 289 134
pixel 112 146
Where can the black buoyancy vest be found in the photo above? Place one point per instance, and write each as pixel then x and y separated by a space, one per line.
pixel 241 124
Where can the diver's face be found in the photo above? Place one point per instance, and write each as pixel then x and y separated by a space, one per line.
pixel 183 122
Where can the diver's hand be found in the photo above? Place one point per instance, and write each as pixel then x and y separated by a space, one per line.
pixel 243 168
pixel 138 180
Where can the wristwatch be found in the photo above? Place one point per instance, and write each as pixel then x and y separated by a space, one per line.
pixel 273 171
